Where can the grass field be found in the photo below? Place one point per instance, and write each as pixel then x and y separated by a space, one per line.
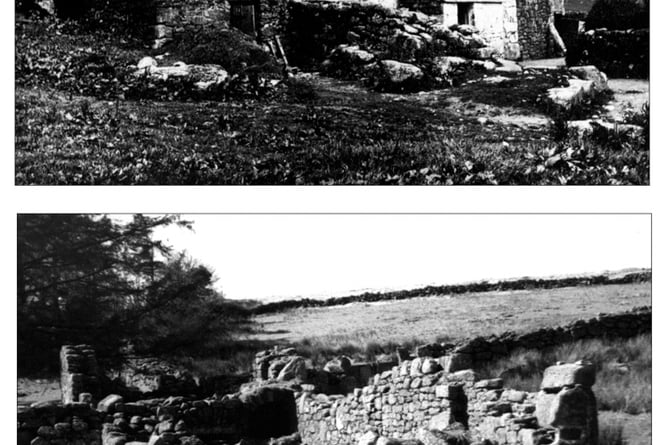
pixel 445 318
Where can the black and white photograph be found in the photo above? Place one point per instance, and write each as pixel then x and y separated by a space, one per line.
pixel 332 92
pixel 334 329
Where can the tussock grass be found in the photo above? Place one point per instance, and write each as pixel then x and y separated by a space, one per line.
pixel 611 431
pixel 623 370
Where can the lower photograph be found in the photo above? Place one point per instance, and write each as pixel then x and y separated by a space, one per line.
pixel 343 329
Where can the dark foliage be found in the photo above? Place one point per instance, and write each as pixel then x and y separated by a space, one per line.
pixel 624 54
pixel 230 48
pixel 618 14
pixel 91 279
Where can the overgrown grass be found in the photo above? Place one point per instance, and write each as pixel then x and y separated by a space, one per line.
pixel 611 431
pixel 623 370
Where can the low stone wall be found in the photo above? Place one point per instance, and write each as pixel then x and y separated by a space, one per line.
pixel 623 325
pixel 46 424
pixel 256 414
pixel 457 289
pixel 617 53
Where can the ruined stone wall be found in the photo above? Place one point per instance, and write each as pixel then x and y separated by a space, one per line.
pixel 412 402
pixel 394 405
pixel 175 17
pixel 261 413
pixel 47 424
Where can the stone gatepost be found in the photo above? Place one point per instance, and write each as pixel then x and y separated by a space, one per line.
pixel 566 402
pixel 79 373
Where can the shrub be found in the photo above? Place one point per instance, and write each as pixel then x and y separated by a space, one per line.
pixel 618 14
pixel 230 48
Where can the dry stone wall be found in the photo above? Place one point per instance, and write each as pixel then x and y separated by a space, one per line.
pixel 50 424
pixel 456 289
pixel 408 403
pixel 622 325
pixel 175 17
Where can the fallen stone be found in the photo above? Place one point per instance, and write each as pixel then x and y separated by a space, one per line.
pixel 369 438
pixel 295 369
pixel 590 72
pixel 567 97
pixel 558 376
pixel 430 366
pixel 147 62
pixel 399 76
pixel 106 405
pixel 47 6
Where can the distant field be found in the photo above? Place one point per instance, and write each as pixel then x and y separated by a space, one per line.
pixel 447 318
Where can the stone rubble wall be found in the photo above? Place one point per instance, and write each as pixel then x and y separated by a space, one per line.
pixel 50 424
pixel 260 413
pixel 176 17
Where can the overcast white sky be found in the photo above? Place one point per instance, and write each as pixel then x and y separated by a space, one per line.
pixel 270 257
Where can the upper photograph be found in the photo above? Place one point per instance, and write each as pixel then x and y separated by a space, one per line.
pixel 320 92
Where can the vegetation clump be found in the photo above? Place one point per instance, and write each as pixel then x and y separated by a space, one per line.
pixel 619 14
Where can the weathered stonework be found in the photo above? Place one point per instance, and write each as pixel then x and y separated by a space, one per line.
pixel 515 28
pixel 175 17
pixel 401 405
pixel 79 372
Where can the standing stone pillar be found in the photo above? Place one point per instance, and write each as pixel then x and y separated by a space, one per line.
pixel 78 372
pixel 566 402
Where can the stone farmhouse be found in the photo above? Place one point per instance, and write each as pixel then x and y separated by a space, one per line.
pixel 517 29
